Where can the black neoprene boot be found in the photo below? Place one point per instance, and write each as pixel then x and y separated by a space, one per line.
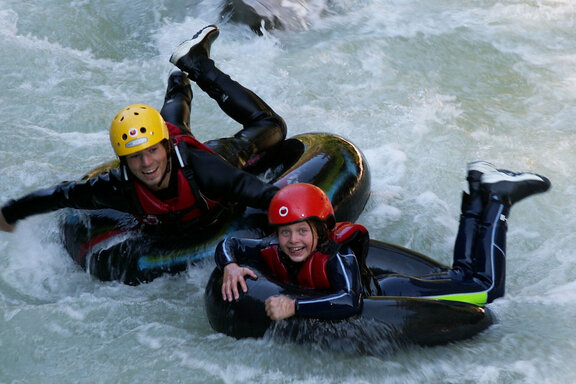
pixel 509 187
pixel 502 189
pixel 262 127
pixel 186 55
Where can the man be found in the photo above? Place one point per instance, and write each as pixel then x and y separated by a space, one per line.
pixel 166 176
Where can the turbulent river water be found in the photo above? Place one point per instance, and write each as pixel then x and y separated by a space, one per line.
pixel 422 87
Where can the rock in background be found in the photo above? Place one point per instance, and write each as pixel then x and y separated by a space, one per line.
pixel 293 15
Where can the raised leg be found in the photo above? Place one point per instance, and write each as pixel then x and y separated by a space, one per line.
pixel 472 208
pixel 176 108
pixel 479 272
pixel 262 127
pixel 501 189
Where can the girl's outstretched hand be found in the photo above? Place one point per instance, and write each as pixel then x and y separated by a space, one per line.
pixel 235 275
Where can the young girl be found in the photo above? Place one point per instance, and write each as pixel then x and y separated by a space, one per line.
pixel 310 250
pixel 307 250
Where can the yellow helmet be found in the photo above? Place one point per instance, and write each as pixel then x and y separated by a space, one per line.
pixel 135 128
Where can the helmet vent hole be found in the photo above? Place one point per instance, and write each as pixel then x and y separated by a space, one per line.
pixel 124 137
pixel 143 129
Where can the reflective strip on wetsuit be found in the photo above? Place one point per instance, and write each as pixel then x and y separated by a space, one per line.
pixel 478 298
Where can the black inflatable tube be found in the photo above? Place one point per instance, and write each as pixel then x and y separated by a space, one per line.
pixel 111 245
pixel 388 320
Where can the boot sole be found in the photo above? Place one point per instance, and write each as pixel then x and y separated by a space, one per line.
pixel 496 177
pixel 186 45
pixel 481 166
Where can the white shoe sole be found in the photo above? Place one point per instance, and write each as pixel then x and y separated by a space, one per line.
pixel 496 177
pixel 481 166
pixel 184 47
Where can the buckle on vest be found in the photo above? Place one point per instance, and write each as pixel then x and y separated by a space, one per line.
pixel 151 219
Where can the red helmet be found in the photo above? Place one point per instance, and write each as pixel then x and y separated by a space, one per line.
pixel 298 202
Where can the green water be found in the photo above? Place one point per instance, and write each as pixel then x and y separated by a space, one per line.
pixel 421 87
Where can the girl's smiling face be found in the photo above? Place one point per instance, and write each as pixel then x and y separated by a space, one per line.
pixel 297 240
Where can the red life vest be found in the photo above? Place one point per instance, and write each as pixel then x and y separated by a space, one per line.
pixel 189 204
pixel 312 274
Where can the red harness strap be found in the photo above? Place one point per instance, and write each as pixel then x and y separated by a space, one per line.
pixel 312 274
pixel 186 205
pixel 344 232
pixel 272 259
pixel 177 137
pixel 183 207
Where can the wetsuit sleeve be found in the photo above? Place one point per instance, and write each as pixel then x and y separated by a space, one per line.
pixel 103 191
pixel 346 298
pixel 217 179
pixel 240 251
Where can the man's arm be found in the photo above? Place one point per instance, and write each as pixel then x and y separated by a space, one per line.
pixel 218 179
pixel 103 191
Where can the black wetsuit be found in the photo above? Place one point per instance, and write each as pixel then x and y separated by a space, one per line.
pixel 341 300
